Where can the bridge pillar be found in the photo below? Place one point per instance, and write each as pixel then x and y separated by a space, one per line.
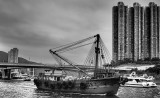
pixel 3 73
pixel 6 74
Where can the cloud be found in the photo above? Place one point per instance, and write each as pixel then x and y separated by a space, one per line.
pixel 35 26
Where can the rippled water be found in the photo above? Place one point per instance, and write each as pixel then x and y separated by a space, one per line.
pixel 27 89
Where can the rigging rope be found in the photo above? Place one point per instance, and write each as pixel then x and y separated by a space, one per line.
pixel 91 57
pixel 72 44
pixel 105 56
pixel 75 47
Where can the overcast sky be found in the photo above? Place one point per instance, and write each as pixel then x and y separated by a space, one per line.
pixel 35 26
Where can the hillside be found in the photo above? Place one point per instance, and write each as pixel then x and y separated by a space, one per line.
pixel 4 58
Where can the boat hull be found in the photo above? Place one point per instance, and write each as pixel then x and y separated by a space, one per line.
pixel 139 85
pixel 107 86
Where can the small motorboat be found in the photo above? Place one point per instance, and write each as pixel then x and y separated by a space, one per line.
pixel 137 81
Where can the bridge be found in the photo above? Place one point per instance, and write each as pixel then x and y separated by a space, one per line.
pixel 50 66
pixel 6 67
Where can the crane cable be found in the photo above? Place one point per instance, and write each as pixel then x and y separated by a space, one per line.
pixel 63 47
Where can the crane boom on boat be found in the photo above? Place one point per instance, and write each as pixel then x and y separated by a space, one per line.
pixel 97 53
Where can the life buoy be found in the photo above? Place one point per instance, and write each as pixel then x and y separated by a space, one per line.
pixel 102 76
pixel 71 84
pixel 83 85
pixel 46 83
pixel 52 86
pixel 64 85
pixel 123 82
pixel 39 83
pixel 59 85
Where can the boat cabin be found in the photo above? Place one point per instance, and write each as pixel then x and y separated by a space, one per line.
pixel 55 75
pixel 137 80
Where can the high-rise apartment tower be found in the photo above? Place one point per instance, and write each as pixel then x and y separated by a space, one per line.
pixel 136 32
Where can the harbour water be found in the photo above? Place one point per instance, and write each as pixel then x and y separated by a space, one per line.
pixel 27 89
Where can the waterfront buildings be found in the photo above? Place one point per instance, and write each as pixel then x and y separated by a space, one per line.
pixel 136 32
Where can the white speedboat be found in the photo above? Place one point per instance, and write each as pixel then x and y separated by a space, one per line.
pixel 136 81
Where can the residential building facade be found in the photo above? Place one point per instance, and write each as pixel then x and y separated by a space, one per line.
pixel 136 32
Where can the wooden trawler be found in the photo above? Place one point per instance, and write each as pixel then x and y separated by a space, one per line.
pixel 104 80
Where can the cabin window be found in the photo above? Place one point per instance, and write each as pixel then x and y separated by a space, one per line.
pixel 137 80
pixel 58 78
pixel 129 79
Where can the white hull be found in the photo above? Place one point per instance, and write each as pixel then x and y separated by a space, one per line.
pixel 138 86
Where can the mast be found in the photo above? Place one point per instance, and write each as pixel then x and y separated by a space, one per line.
pixel 97 54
